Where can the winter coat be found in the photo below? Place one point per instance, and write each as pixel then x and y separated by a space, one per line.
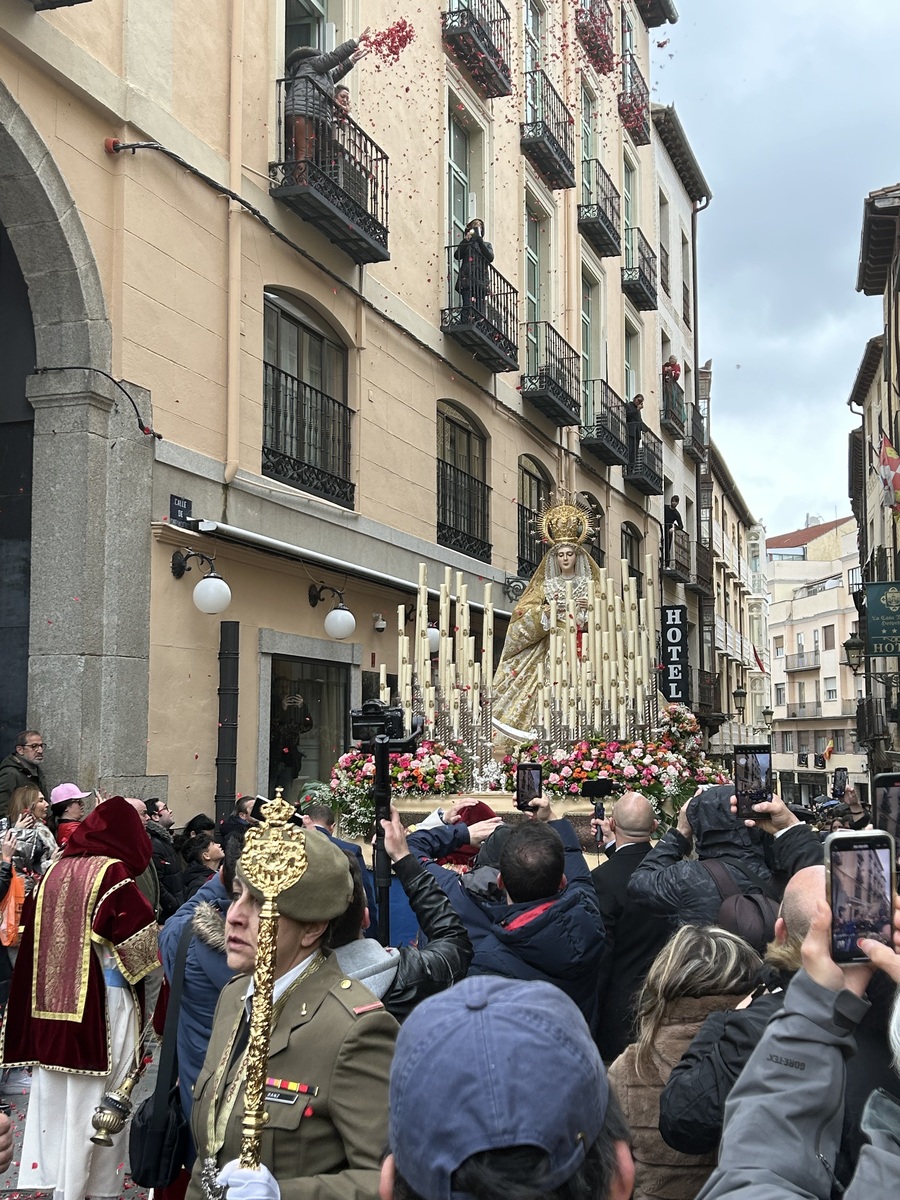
pixel 168 870
pixel 34 849
pixel 785 1114
pixel 5 964
pixel 559 939
pixel 473 255
pixel 16 772
pixel 402 978
pixel 318 71
pixel 660 1171
pixel 692 1106
pixel 194 876
pixel 668 885
pixel 205 974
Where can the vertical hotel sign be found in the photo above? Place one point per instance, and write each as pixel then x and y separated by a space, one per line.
pixel 882 619
pixel 676 675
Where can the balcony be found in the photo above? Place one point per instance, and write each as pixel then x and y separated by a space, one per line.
pixel 333 175
pixel 806 661
pixel 871 725
pixel 463 505
pixel 644 469
pixel 664 269
pixel 599 219
pixel 551 381
pixel 695 435
pixel 306 438
pixel 639 272
pixel 476 33
pixel 482 310
pixel 603 432
pixel 701 570
pixel 803 710
pixel 687 312
pixel 634 101
pixel 547 133
pixel 708 699
pixel 594 26
pixel 855 581
pixel 673 413
pixel 676 562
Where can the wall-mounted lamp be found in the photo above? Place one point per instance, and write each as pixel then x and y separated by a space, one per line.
pixel 768 716
pixel 340 622
pixel 211 593
pixel 854 649
pixel 379 624
pixel 739 696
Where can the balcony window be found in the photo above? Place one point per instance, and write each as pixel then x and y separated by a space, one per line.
pixel 481 309
pixel 831 692
pixel 547 135
pixel 306 421
pixel 594 26
pixel 463 497
pixel 476 33
pixel 552 378
pixel 603 431
pixel 779 693
pixel 634 101
pixel 631 554
pixel 534 496
pixel 332 175
pixel 599 219
pixel 639 271
pixel 673 414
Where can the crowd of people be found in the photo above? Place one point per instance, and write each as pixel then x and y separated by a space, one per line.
pixel 670 1024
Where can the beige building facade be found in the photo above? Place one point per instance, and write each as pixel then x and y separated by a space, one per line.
pixel 334 406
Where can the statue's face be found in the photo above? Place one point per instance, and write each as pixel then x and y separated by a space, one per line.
pixel 565 556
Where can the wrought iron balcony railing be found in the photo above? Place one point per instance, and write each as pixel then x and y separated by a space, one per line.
pixel 664 270
pixel 805 661
pixel 687 312
pixel 332 175
pixel 855 580
pixel 708 700
pixel 531 549
pixel 676 556
pixel 306 438
pixel 594 26
pixel 552 374
pixel 476 32
pixel 482 309
pixel 695 437
pixel 639 271
pixel 547 134
pixel 463 512
pixel 701 570
pixel 673 413
pixel 603 430
pixel 644 469
pixel 634 101
pixel 599 219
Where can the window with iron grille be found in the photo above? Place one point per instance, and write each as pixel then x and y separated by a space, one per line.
pixel 631 552
pixel 534 494
pixel 463 508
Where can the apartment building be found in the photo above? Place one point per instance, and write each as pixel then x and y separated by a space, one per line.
pixel 333 407
pixel 813 576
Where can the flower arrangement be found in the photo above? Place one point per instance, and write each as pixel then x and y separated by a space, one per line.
pixel 667 770
pixel 431 770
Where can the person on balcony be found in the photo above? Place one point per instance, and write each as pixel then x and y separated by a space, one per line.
pixel 634 423
pixel 672 519
pixel 473 255
pixel 671 370
pixel 309 107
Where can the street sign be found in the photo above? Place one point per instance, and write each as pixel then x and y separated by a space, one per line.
pixel 882 619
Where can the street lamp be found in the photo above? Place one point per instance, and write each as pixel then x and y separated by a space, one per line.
pixel 768 715
pixel 739 696
pixel 854 648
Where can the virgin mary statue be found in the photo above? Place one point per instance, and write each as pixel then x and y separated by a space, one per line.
pixel 517 695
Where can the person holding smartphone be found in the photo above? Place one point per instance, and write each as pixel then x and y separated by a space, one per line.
pixel 790 1096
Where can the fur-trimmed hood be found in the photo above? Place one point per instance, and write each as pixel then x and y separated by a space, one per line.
pixel 208 923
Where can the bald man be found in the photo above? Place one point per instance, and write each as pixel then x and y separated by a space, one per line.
pixel 634 936
pixel 692 1106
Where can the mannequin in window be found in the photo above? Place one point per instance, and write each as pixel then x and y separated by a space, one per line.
pixel 473 255
pixel 517 697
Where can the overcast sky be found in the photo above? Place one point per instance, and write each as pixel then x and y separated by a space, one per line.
pixel 790 106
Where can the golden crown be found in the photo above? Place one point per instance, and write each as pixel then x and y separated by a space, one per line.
pixel 569 524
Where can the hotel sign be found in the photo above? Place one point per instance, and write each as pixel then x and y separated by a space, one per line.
pixel 676 675
pixel 882 619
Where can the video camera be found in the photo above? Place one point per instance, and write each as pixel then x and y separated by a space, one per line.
pixel 377 719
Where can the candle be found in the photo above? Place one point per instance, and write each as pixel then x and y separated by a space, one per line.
pixel 383 694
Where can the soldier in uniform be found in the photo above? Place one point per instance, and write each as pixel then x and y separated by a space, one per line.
pixel 329 1054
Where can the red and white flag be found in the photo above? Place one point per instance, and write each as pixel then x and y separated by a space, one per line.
pixel 889 470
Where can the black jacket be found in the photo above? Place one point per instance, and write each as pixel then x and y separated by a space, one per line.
pixel 668 884
pixel 168 871
pixel 692 1104
pixel 195 875
pixel 634 937
pixel 18 772
pixel 559 939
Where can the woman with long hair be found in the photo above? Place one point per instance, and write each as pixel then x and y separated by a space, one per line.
pixel 701 969
pixel 35 843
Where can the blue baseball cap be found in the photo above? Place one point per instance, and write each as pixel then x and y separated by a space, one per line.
pixel 517 1066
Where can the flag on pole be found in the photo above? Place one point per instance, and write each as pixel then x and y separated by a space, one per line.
pixel 889 470
pixel 759 661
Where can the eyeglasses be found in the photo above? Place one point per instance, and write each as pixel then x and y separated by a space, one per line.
pixel 35 746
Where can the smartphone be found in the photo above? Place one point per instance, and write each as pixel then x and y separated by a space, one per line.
pixel 839 783
pixel 861 879
pixel 752 778
pixel 886 815
pixel 593 789
pixel 528 785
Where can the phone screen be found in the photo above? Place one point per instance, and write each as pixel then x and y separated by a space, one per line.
pixel 752 777
pixel 860 892
pixel 528 785
pixel 887 804
pixel 839 786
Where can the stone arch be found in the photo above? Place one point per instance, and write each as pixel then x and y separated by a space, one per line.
pixel 45 229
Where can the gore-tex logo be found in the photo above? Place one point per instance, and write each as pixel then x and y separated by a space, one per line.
pixel 794 1063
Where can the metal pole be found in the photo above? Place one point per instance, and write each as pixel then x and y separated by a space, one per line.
pixel 226 749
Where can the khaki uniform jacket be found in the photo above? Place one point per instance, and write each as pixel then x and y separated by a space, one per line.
pixel 334 1036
